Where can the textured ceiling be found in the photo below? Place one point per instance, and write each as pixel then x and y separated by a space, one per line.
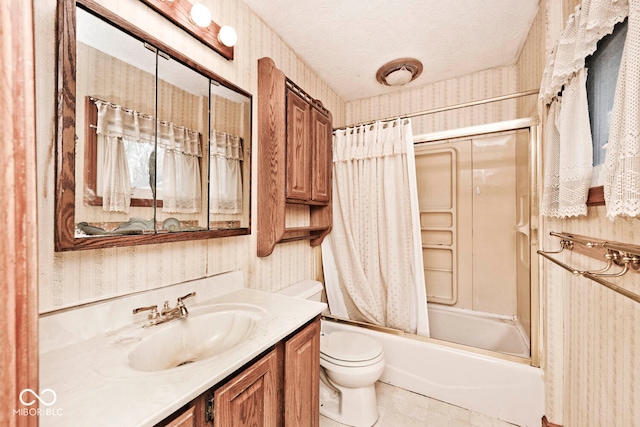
pixel 346 41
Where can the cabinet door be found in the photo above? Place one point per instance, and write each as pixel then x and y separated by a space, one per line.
pixel 253 398
pixel 185 419
pixel 321 136
pixel 298 148
pixel 301 378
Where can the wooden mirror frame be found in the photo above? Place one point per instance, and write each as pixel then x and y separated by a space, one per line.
pixel 66 131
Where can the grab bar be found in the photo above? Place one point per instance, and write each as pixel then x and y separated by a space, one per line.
pixel 625 255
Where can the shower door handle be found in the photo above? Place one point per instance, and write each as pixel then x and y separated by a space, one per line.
pixel 524 230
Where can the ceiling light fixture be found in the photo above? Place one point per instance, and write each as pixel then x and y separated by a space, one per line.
pixel 399 72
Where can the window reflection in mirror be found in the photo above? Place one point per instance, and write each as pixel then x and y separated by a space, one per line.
pixel 115 93
pixel 183 113
pixel 230 121
pixel 162 145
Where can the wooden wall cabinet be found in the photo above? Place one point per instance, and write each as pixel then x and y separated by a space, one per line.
pixel 295 155
pixel 280 388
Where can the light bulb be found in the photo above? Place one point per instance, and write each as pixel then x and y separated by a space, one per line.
pixel 200 15
pixel 399 77
pixel 228 36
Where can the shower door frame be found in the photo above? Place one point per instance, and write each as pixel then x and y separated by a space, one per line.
pixel 535 183
pixel 535 177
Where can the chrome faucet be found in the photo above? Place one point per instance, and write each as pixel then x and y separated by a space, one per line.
pixel 167 314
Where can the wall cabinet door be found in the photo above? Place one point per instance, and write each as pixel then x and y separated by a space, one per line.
pixel 301 378
pixel 253 398
pixel 298 148
pixel 321 159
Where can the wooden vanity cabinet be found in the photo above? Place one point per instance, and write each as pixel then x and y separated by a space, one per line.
pixel 279 388
pixel 253 398
pixel 302 378
pixel 295 157
pixel 183 418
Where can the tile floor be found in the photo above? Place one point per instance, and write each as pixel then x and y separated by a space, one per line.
pixel 401 408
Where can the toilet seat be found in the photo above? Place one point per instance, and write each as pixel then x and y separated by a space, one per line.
pixel 356 364
pixel 350 349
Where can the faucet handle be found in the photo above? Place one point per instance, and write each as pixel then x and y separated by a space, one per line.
pixel 189 295
pixel 153 309
pixel 183 309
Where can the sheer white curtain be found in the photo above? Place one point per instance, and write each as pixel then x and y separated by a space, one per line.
pixel 225 187
pixel 114 124
pixel 568 152
pixel 182 190
pixel 373 258
pixel 181 186
pixel 116 180
pixel 622 164
pixel 568 145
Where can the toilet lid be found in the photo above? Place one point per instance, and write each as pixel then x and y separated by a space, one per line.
pixel 349 346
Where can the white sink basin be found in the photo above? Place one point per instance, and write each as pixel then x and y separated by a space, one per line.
pixel 207 332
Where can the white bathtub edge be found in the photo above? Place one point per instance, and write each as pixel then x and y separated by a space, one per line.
pixel 510 391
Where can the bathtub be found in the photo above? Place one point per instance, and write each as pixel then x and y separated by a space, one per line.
pixel 510 391
pixel 502 334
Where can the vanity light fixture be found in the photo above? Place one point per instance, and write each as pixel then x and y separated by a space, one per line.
pixel 196 20
pixel 399 72
pixel 201 16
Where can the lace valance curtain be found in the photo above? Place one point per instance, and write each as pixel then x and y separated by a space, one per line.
pixel 568 149
pixel 225 187
pixel 181 167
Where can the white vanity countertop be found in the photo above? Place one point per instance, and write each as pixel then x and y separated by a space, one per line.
pixel 95 386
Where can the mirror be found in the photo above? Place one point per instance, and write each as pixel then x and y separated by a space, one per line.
pixel 152 147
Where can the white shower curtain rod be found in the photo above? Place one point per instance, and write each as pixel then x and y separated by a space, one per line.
pixel 448 108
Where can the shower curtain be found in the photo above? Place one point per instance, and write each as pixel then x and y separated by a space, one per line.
pixel 373 257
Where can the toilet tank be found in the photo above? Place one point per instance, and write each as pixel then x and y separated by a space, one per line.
pixel 305 289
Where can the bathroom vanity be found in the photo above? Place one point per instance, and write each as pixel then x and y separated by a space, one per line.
pixel 106 369
pixel 286 377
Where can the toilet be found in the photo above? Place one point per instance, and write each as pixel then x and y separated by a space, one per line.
pixel 350 364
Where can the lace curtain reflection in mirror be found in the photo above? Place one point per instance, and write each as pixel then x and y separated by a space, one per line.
pixel 128 166
pixel 165 147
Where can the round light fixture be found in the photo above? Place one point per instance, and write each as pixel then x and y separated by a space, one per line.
pixel 399 72
pixel 228 36
pixel 200 15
